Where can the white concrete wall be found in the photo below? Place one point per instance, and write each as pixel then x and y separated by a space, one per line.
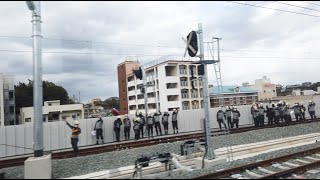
pixel 1 102
pixel 57 134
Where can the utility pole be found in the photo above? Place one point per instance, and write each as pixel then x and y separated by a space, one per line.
pixel 79 98
pixel 210 149
pixel 145 91
pixel 34 6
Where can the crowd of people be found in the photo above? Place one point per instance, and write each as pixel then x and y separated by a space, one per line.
pixel 281 113
pixel 276 113
pixel 231 115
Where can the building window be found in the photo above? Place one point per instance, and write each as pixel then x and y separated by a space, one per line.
pixel 10 95
pixel 27 119
pixel 74 116
pixel 264 91
pixel 274 91
pixel 124 109
pixel 122 81
pixel 50 104
pixel 11 109
pixel 123 90
pixel 124 99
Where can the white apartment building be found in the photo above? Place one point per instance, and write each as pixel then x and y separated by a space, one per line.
pixel 53 111
pixel 172 88
pixel 7 100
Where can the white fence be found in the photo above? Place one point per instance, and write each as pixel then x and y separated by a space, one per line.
pixel 15 139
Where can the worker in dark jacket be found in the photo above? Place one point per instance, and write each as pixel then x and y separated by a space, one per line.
pixel 136 128
pixel 312 110
pixel 277 115
pixel 255 115
pixel 157 125
pixel 236 115
pixel 281 111
pixel 75 136
pixel 142 123
pixel 303 111
pixel 116 127
pixel 175 121
pixel 269 115
pixel 297 112
pixel 229 117
pixel 98 127
pixel 150 123
pixel 165 122
pixel 127 127
pixel 220 118
pixel 287 115
pixel 261 115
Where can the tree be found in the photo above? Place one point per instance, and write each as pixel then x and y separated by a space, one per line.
pixel 51 91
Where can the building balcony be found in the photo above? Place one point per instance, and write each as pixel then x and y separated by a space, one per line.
pixel 183 72
pixel 194 95
pixel 184 83
pixel 171 79
pixel 131 83
pixel 185 96
pixel 132 102
pixel 132 93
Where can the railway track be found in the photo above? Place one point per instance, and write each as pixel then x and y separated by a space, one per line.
pixel 141 143
pixel 279 167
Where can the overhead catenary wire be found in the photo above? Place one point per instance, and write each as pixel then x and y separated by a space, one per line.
pixel 154 46
pixel 311 9
pixel 273 9
pixel 312 3
pixel 106 53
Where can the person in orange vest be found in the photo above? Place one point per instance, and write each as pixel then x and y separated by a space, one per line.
pixel 76 130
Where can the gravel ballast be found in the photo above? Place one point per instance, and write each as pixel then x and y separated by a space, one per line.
pixel 93 163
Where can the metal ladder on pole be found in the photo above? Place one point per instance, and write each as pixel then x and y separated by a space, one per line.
pixel 217 69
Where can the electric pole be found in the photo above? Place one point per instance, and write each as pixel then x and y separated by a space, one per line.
pixel 206 98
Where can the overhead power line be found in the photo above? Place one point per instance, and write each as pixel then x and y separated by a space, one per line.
pixel 85 53
pixel 298 6
pixel 109 54
pixel 273 9
pixel 155 46
pixel 312 3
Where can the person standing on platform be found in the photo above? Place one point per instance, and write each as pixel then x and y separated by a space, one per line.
pixel 220 118
pixel 297 112
pixel 136 128
pixel 175 121
pixel 98 127
pixel 116 127
pixel 287 116
pixel 269 115
pixel 312 110
pixel 142 123
pixel 236 116
pixel 228 117
pixel 150 123
pixel 303 111
pixel 127 127
pixel 76 130
pixel 261 115
pixel 165 122
pixel 157 125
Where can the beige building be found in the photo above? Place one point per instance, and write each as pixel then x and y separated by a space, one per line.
pixel 266 90
pixel 53 111
pixel 7 101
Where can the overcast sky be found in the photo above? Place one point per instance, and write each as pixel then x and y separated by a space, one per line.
pixel 280 45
